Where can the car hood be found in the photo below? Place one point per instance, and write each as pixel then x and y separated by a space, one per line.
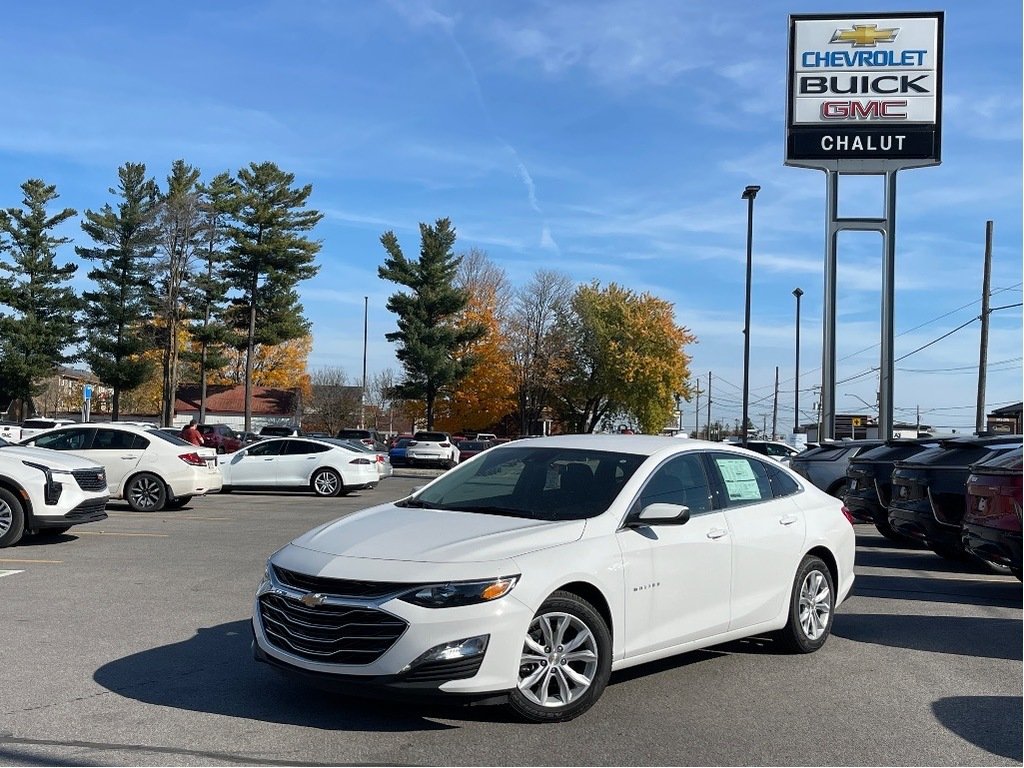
pixel 47 457
pixel 389 532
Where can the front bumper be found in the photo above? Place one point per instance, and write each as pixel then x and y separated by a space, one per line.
pixel 505 621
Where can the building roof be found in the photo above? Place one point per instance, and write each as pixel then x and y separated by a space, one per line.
pixel 230 399
pixel 1008 410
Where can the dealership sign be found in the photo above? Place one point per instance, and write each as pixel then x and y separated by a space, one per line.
pixel 865 91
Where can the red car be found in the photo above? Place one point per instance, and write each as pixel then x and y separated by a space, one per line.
pixel 992 520
pixel 470 448
pixel 220 436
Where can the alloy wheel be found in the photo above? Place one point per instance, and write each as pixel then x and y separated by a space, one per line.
pixel 145 492
pixel 6 517
pixel 326 484
pixel 815 605
pixel 559 660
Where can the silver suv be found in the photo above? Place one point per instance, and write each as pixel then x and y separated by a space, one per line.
pixel 44 491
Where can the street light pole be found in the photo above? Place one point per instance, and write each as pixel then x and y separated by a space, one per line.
pixel 796 398
pixel 748 194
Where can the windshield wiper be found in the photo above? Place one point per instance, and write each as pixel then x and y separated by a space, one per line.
pixel 489 510
pixel 416 503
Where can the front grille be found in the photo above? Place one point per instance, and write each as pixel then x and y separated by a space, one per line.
pixel 441 671
pixel 330 634
pixel 93 509
pixel 366 590
pixel 91 479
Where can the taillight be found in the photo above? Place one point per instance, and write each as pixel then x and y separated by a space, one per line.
pixel 360 460
pixel 194 459
pixel 848 516
pixel 411 442
pixel 380 458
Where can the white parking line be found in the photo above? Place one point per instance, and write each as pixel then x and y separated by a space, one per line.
pixel 119 533
pixel 9 573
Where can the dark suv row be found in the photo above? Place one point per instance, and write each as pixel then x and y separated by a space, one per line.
pixel 921 491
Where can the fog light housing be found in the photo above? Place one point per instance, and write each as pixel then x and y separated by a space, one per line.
pixel 456 650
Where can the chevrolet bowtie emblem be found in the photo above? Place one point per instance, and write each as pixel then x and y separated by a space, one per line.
pixel 312 599
pixel 864 35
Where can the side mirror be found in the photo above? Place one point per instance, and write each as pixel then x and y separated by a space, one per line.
pixel 662 514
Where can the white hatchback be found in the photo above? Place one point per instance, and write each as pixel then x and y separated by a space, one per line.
pixel 432 448
pixel 536 568
pixel 148 468
pixel 326 466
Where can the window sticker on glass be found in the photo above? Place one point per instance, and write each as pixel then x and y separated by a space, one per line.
pixel 740 482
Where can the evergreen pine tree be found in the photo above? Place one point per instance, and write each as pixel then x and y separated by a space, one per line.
pixel 209 329
pixel 428 336
pixel 37 336
pixel 267 258
pixel 118 312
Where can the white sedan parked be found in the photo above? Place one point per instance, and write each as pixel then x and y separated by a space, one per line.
pixel 146 467
pixel 534 569
pixel 325 466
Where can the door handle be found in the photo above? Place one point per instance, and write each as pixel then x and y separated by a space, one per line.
pixel 788 519
pixel 127 458
pixel 717 533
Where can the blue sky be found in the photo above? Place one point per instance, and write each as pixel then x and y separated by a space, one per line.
pixel 610 140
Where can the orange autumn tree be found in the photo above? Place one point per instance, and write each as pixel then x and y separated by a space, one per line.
pixel 279 365
pixel 486 395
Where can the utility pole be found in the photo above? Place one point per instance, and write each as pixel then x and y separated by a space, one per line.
pixel 917 432
pixel 709 406
pixel 775 404
pixel 986 282
pixel 696 412
pixel 362 397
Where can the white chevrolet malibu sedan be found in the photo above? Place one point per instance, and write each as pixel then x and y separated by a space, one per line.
pixel 531 572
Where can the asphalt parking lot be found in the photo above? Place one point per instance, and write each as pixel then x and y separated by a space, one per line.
pixel 126 642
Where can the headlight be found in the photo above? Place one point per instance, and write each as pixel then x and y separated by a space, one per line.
pixel 266 582
pixel 455 593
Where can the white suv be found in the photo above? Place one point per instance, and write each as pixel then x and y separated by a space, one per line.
pixel 47 492
pixel 432 448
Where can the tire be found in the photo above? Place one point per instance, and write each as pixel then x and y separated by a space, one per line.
pixel 587 655
pixel 837 489
pixel 51 533
pixel 226 489
pixel 811 608
pixel 326 483
pixel 179 502
pixel 12 519
pixel 146 493
pixel 1016 572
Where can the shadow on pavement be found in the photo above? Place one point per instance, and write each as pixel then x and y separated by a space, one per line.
pixel 992 723
pixel 214 672
pixel 977 591
pixel 990 638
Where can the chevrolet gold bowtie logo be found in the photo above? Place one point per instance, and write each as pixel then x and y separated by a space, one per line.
pixel 864 35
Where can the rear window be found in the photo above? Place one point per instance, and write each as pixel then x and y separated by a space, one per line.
pixel 169 437
pixel 359 434
pixel 277 431
pixel 432 437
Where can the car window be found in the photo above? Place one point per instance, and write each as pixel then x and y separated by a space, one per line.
pixel 174 438
pixel 432 437
pixel 118 440
pixel 778 450
pixel 680 480
pixel 266 448
pixel 782 484
pixel 303 447
pixel 745 480
pixel 74 439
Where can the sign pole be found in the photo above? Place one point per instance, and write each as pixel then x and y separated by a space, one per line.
pixel 887 363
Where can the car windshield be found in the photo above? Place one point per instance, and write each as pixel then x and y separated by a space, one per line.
pixel 544 483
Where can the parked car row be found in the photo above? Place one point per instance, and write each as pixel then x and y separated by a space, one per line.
pixel 64 476
pixel 920 492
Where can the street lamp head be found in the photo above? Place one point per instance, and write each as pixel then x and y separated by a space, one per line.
pixel 750 192
pixel 797 292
